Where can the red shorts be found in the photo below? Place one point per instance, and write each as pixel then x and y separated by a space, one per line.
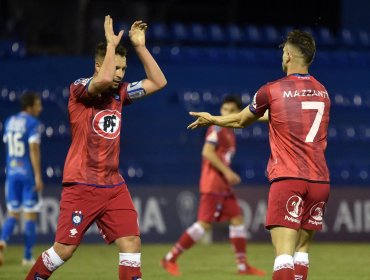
pixel 297 204
pixel 218 207
pixel 111 208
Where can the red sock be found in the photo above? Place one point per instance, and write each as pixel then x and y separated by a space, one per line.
pixel 129 273
pixel 184 243
pixel 38 271
pixel 300 271
pixel 238 238
pixel 283 274
pixel 239 245
pixel 283 268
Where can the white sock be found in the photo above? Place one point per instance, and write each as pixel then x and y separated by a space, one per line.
pixel 51 259
pixel 237 231
pixel 301 258
pixel 283 261
pixel 196 231
pixel 130 259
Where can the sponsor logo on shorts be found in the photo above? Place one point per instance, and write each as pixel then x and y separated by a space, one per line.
pixel 107 124
pixel 294 206
pixel 73 233
pixel 77 217
pixel 290 219
pixel 317 211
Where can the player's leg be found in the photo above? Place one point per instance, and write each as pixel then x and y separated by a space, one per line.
pixel 284 216
pixel 75 217
pixel 187 240
pixel 301 263
pixel 31 206
pixel 119 224
pixel 129 257
pixel 284 242
pixel 312 221
pixel 206 215
pixel 29 237
pixel 13 198
pixel 238 236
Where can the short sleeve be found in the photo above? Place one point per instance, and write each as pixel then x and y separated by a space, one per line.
pixel 79 88
pixel 261 101
pixel 34 134
pixel 212 135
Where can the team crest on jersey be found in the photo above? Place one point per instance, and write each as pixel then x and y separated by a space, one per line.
pixel 77 218
pixel 317 211
pixel 107 124
pixel 294 206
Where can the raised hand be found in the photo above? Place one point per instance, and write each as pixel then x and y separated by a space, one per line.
pixel 137 33
pixel 109 33
pixel 202 120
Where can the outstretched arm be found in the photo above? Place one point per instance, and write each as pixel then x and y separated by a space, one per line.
pixel 239 120
pixel 155 78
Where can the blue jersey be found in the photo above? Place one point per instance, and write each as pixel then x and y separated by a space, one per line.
pixel 20 130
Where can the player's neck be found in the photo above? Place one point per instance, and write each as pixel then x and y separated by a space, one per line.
pixel 297 70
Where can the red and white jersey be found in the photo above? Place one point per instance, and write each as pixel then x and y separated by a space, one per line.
pixel 93 156
pixel 212 180
pixel 299 117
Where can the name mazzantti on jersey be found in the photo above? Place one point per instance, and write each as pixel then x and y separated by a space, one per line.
pixel 305 92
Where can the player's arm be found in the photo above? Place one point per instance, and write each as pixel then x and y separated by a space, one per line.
pixel 239 120
pixel 209 152
pixel 35 156
pixel 265 117
pixel 155 78
pixel 104 78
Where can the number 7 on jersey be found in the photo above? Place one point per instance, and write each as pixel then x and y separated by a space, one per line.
pixel 314 105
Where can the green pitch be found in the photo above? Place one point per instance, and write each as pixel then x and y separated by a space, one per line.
pixel 214 262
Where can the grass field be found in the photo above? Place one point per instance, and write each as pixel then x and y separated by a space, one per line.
pixel 216 262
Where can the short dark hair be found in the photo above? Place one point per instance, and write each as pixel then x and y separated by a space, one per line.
pixel 304 41
pixel 101 50
pixel 233 99
pixel 28 99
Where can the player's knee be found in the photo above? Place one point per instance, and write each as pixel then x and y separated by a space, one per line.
pixel 129 244
pixel 64 251
pixel 15 215
pixel 206 226
pixel 237 221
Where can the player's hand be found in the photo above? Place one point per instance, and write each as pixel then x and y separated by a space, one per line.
pixel 39 184
pixel 202 120
pixel 232 177
pixel 137 33
pixel 109 33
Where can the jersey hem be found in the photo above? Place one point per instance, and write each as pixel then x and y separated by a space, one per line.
pixel 68 184
pixel 297 178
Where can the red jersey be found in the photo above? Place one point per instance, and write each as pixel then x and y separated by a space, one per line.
pixel 212 180
pixel 299 117
pixel 93 156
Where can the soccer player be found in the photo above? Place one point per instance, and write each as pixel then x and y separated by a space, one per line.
pixel 94 191
pixel 299 108
pixel 23 173
pixel 217 199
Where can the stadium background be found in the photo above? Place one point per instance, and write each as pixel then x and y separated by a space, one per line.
pixel 206 50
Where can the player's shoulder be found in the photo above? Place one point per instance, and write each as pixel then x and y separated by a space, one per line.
pixel 81 81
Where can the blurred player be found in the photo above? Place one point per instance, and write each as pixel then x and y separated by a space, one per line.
pixel 94 191
pixel 298 121
pixel 217 202
pixel 23 173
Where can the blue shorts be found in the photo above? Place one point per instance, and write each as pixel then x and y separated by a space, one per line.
pixel 20 194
